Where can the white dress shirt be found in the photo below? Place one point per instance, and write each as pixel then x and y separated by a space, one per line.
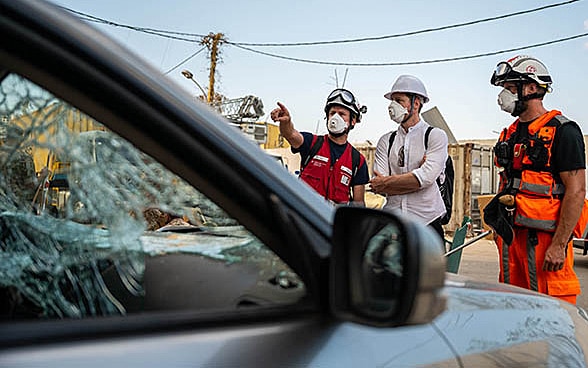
pixel 426 203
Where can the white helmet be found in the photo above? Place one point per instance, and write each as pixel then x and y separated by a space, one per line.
pixel 344 97
pixel 408 84
pixel 521 68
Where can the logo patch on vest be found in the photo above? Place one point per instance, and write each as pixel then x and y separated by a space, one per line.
pixel 347 170
pixel 345 180
pixel 321 158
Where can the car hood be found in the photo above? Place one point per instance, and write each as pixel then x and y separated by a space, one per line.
pixel 535 328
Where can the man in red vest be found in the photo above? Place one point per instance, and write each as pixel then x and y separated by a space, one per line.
pixel 329 163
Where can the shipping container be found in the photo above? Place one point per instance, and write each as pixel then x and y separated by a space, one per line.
pixel 475 175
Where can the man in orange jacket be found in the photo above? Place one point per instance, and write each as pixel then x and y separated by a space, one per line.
pixel 543 187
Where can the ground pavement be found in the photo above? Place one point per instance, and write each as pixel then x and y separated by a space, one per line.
pixel 480 261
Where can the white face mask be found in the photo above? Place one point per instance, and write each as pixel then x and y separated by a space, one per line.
pixel 507 100
pixel 397 112
pixel 336 124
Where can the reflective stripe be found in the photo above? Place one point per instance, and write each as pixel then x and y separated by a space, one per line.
pixel 536 188
pixel 505 269
pixel 516 182
pixel 531 263
pixel 542 189
pixel 548 225
pixel 562 119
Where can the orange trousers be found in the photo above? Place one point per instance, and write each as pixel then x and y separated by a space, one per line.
pixel 521 264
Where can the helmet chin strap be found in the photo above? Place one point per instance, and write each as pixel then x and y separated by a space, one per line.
pixel 339 134
pixel 409 111
pixel 521 104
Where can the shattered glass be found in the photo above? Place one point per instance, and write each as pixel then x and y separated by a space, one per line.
pixel 79 204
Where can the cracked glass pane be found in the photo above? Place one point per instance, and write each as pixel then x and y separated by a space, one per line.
pixel 92 226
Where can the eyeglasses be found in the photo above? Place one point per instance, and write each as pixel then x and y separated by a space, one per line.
pixel 401 157
pixel 344 94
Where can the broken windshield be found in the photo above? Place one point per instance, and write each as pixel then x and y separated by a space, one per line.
pixel 92 226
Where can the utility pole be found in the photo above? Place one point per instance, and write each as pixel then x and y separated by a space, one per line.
pixel 212 41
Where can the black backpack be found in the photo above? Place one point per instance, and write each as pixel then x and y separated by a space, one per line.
pixel 445 187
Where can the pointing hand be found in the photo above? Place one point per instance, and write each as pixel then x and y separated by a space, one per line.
pixel 280 114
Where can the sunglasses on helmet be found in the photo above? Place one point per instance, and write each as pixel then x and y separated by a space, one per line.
pixel 344 94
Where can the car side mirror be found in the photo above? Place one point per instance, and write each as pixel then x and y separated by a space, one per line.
pixel 385 270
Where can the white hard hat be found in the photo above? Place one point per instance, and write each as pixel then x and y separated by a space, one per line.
pixel 521 68
pixel 408 84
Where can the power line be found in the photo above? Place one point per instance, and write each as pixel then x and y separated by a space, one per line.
pixel 412 33
pixel 153 31
pixel 191 37
pixel 431 61
pixel 184 61
pixel 242 45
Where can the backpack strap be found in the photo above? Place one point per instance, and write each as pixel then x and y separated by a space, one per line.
pixel 313 150
pixel 390 141
pixel 427 133
pixel 355 161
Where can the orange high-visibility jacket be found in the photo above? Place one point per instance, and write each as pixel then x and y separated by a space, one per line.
pixel 537 194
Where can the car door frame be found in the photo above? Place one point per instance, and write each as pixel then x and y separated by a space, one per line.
pixel 81 66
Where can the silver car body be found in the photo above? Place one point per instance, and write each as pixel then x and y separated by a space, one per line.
pixel 480 324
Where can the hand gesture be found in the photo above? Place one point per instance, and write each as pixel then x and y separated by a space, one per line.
pixel 280 114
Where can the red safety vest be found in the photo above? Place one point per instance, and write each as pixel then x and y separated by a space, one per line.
pixel 538 195
pixel 331 181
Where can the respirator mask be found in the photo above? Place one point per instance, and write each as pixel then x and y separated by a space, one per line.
pixel 509 102
pixel 336 125
pixel 398 113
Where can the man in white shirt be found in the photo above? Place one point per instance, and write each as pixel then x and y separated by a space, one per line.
pixel 406 170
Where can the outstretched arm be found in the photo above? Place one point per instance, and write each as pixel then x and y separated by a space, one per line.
pixel 281 115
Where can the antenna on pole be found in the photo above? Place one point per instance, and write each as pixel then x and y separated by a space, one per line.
pixel 345 78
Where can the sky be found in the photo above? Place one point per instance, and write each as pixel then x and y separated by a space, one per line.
pixel 459 89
